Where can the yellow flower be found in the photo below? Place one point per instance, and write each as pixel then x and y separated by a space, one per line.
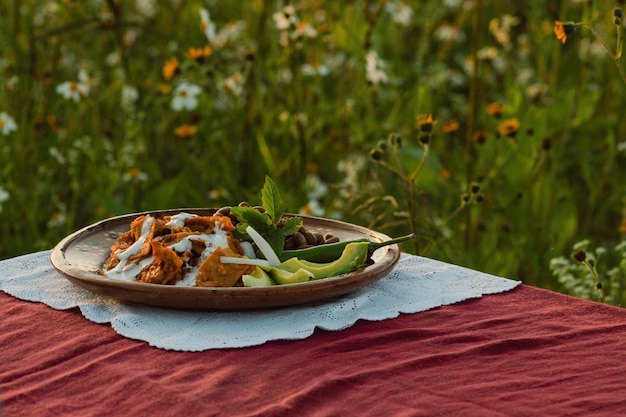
pixel 508 128
pixel 563 29
pixel 451 127
pixel 170 68
pixel 495 109
pixel 185 131
pixel 199 54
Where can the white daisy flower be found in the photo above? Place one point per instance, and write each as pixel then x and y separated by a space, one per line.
pixel 74 90
pixel 4 195
pixel 207 26
pixel 7 123
pixel 400 12
pixel 285 18
pixel 57 219
pixel 185 96
pixel 234 84
pixel 130 95
pixel 304 30
pixel 216 38
pixel 315 69
pixel 135 175
pixel 374 71
pixel 313 208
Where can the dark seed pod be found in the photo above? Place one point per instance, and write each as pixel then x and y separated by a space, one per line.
pixel 244 204
pixel 319 238
pixel 579 255
pixel 260 209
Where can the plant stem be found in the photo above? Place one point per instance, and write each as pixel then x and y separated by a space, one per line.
pixel 615 57
pixel 596 278
pixel 444 224
pixel 419 167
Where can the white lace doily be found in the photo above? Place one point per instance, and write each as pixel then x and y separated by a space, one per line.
pixel 415 284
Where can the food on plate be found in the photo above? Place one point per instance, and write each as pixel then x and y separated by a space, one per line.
pixel 182 249
pixel 235 246
pixel 186 249
pixel 192 250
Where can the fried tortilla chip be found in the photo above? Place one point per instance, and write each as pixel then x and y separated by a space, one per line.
pixel 213 273
pixel 166 267
pixel 206 224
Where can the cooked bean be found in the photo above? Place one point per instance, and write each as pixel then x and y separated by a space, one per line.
pixel 332 239
pixel 299 239
pixel 319 238
pixel 289 243
pixel 224 211
pixel 310 238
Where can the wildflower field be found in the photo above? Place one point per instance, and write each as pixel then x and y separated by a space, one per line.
pixel 493 130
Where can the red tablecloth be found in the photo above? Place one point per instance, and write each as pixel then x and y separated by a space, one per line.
pixel 527 352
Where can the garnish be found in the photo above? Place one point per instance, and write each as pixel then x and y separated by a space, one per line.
pixel 264 246
pixel 271 224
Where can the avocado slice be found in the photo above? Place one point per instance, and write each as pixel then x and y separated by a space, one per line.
pixel 282 276
pixel 353 257
pixel 257 278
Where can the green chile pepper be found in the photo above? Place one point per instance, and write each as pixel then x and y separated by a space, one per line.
pixel 332 251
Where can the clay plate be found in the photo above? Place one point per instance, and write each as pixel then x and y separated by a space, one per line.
pixel 79 257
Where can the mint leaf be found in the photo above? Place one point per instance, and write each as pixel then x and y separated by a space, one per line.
pixel 259 221
pixel 249 216
pixel 270 198
pixel 240 232
pixel 292 225
pixel 266 223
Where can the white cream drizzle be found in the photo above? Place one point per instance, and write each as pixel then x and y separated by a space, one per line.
pixel 128 271
pixel 134 248
pixel 178 220
pixel 218 239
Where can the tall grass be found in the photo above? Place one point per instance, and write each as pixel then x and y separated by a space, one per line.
pixel 328 99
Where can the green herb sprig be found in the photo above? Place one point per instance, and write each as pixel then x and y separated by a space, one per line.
pixel 270 224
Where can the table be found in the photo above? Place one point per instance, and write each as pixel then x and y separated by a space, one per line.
pixel 526 352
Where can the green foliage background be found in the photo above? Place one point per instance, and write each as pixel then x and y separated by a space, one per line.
pixel 298 107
